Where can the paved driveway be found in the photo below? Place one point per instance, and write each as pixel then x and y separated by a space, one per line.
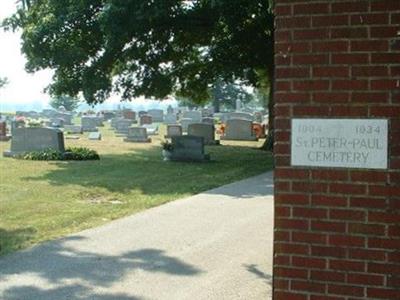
pixel 215 245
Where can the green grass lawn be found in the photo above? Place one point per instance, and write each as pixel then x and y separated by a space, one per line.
pixel 44 200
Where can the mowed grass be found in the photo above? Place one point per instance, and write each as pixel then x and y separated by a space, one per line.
pixel 44 200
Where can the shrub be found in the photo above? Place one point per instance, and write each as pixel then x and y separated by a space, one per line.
pixel 71 153
pixel 167 146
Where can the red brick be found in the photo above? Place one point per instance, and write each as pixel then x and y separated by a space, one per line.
pixel 350 85
pixel 281 259
pixel 348 290
pixel 383 293
pixel 350 6
pixel 350 189
pixel 370 97
pixel 382 243
pixel 292 72
pixel 309 187
pixel 385 58
pixel 331 175
pixel 312 8
pixel 295 199
pixel 310 59
pixel 310 110
pixel 283 10
pixel 383 217
pixel 384 268
pixel 328 226
pixel 286 248
pixel 384 190
pixel 367 254
pixel 394 257
pixel 384 84
pixel 369 19
pixel 290 272
pixel 328 97
pixel 387 5
pixel 332 201
pixel 346 265
pixel 283 35
pixel 282 60
pixel 331 72
pixel 384 32
pixel 311 85
pixel 347 214
pixel 319 297
pixel 308 286
pixel 369 71
pixel 309 212
pixel 310 34
pixel 309 238
pixel 282 211
pixel 291 173
pixel 329 20
pixel 333 46
pixel 291 224
pixel 370 45
pixel 349 111
pixel 346 241
pixel 327 276
pixel 367 202
pixel 395 18
pixel 282 86
pixel 308 262
pixel 366 229
pixel 368 176
pixel 365 279
pixel 292 97
pixel 278 295
pixel 350 58
pixel 281 284
pixel 349 33
pixel 293 47
pixel 293 22
pixel 328 251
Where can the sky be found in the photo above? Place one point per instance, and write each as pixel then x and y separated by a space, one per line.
pixel 25 91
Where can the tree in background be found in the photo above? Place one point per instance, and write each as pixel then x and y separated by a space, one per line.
pixel 3 82
pixel 225 95
pixel 147 48
pixel 69 103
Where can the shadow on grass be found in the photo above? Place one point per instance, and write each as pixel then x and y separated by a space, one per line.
pixel 61 264
pixel 144 170
pixel 11 240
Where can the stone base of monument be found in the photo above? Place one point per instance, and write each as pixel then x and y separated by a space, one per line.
pixel 72 137
pixel 137 140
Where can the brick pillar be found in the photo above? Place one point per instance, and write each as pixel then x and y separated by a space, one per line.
pixel 337 230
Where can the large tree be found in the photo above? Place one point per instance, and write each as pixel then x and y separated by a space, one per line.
pixel 68 102
pixel 146 48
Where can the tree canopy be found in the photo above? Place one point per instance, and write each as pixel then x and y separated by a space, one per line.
pixel 146 47
pixel 68 102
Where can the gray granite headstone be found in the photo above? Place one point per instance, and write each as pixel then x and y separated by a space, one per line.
pixel 185 122
pixel 95 136
pixel 36 139
pixel 74 129
pixel 137 135
pixel 188 148
pixel 173 130
pixel 239 130
pixel 157 115
pixel 206 131
pixel 122 126
pixel 194 115
pixel 89 124
pixel 170 119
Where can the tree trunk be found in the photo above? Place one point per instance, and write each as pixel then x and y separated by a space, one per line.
pixel 269 141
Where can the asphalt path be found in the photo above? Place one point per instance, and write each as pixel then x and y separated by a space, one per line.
pixel 214 245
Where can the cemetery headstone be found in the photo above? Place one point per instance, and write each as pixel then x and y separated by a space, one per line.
pixel 239 130
pixel 152 129
pixel 173 130
pixel 170 119
pixel 188 148
pixel 35 139
pixel 137 135
pixel 192 114
pixel 146 119
pixel 129 114
pixel 185 122
pixel 206 131
pixel 208 120
pixel 157 115
pixel 89 124
pixel 74 129
pixel 94 136
pixel 170 110
pixel 240 115
pixel 3 132
pixel 122 126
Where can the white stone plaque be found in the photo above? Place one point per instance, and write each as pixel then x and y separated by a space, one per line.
pixel 348 143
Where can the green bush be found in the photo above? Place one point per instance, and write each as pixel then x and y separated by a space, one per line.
pixel 71 153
